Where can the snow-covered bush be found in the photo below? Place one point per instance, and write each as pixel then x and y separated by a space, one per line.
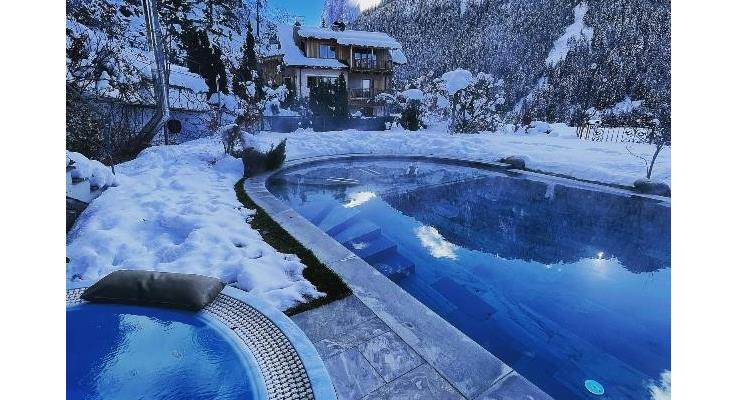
pixel 411 109
pixel 475 101
pixel 229 136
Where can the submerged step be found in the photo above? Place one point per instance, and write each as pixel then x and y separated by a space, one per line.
pixel 315 212
pixel 373 249
pixel 338 219
pixel 360 230
pixel 395 266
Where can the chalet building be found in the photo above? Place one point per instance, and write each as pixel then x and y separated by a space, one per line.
pixel 303 55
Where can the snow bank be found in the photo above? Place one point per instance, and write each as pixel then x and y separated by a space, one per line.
pixel 94 171
pixel 176 210
pixel 576 31
pixel 456 80
pixel 557 152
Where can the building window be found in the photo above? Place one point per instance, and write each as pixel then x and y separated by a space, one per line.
pixel 313 80
pixel 365 59
pixel 327 51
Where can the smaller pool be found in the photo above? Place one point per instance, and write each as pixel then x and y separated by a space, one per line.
pixel 132 352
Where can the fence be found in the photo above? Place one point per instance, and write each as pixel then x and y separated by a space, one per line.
pixel 597 133
pixel 323 123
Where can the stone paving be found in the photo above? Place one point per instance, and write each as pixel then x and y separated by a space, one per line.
pixel 367 360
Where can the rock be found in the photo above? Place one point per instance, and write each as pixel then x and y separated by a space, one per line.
pixel 516 162
pixel 650 187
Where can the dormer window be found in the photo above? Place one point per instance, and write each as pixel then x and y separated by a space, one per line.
pixel 327 51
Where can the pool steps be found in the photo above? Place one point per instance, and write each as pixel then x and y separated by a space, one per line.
pixel 348 227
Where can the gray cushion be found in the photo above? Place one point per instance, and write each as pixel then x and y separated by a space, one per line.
pixel 162 289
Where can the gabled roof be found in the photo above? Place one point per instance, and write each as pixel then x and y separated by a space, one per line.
pixel 292 55
pixel 349 37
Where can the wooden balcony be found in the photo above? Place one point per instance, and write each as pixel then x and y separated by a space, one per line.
pixel 364 65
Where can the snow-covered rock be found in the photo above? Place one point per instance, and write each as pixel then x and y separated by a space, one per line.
pixel 176 210
pixel 517 162
pixel 651 187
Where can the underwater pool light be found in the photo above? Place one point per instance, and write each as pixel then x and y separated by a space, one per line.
pixel 594 387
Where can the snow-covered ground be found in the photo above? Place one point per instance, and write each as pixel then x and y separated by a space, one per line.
pixel 558 152
pixel 174 209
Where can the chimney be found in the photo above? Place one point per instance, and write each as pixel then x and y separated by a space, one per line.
pixel 295 28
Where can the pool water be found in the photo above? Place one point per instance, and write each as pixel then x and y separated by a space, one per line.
pixel 565 282
pixel 132 352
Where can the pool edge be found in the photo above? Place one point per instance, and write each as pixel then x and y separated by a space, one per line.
pixel 405 315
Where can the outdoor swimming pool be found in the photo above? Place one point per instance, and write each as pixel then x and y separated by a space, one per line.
pixel 564 281
pixel 132 352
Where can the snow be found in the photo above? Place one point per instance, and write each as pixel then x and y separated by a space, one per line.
pixel 96 172
pixel 456 80
pixel 576 31
pixel 398 57
pixel 625 106
pixel 662 390
pixel 180 76
pixel 413 94
pixel 175 209
pixel 557 152
pixel 351 37
pixel 293 56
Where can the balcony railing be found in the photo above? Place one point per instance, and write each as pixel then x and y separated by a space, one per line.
pixel 371 65
pixel 365 94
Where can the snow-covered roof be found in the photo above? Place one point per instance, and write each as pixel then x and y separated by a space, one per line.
pixel 349 37
pixel 180 76
pixel 293 55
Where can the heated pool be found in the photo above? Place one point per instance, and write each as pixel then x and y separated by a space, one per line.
pixel 564 281
pixel 132 352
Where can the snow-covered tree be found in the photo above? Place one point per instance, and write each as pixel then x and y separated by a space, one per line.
pixel 340 11
pixel 475 101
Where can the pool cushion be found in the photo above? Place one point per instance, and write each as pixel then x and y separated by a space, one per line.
pixel 161 289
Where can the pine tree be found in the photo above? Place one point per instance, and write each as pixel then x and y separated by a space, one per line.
pixel 341 108
pixel 247 70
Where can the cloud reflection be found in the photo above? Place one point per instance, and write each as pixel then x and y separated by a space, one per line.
pixel 359 198
pixel 435 243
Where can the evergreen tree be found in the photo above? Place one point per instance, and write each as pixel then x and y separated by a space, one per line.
pixel 247 69
pixel 205 59
pixel 341 108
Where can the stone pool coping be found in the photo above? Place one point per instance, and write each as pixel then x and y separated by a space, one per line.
pixel 285 357
pixel 466 365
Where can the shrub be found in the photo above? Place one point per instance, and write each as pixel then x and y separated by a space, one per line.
pixel 256 162
pixel 84 128
pixel 411 115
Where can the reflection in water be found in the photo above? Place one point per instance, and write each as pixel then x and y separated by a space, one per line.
pixel 562 282
pixel 359 198
pixel 514 218
pixel 435 243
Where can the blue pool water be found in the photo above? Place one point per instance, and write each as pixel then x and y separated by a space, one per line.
pixel 131 352
pixel 565 282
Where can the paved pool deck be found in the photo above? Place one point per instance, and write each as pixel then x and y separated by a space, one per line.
pixel 382 343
